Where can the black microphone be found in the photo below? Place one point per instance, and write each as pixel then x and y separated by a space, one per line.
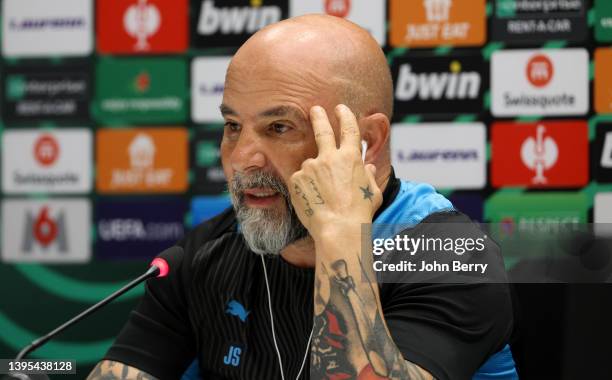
pixel 168 260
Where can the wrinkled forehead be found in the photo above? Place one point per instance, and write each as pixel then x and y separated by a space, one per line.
pixel 268 83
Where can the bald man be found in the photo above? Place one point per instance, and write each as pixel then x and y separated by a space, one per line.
pixel 276 287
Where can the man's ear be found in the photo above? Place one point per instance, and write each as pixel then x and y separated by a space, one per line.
pixel 375 130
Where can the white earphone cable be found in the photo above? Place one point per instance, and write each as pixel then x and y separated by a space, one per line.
pixel 280 360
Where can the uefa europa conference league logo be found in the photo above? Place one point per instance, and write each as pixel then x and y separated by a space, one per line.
pixel 142 26
pixel 544 154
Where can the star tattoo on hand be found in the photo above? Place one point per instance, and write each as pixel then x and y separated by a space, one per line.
pixel 367 194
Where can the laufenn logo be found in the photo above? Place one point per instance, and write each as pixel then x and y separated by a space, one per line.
pixel 236 20
pixel 438 155
pixel 47 23
pixel 454 84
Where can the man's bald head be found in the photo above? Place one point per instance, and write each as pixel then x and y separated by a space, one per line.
pixel 328 54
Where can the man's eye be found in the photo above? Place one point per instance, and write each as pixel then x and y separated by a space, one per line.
pixel 231 126
pixel 279 128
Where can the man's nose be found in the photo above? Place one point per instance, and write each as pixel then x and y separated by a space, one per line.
pixel 248 153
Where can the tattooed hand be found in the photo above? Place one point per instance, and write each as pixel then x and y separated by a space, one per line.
pixel 335 190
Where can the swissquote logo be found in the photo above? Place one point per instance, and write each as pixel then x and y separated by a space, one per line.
pixel 539 82
pixel 368 14
pixel 545 154
pixel 540 70
pixel 142 160
pixel 232 22
pixel 438 84
pixel 46 231
pixel 46 150
pixel 57 161
pixel 446 155
pixel 142 26
pixel 32 28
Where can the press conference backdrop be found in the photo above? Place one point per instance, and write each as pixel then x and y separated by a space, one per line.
pixel 110 130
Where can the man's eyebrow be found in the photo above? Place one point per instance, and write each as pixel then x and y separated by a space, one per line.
pixel 226 110
pixel 283 111
pixel 280 111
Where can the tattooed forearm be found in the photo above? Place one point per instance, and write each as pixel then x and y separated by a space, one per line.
pixel 350 336
pixel 110 370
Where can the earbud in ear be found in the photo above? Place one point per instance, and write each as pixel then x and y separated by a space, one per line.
pixel 364 149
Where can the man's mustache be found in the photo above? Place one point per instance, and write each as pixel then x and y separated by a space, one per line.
pixel 241 182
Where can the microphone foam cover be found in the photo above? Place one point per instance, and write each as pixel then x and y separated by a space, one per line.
pixel 169 260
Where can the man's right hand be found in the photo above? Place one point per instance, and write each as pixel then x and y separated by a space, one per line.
pixel 110 370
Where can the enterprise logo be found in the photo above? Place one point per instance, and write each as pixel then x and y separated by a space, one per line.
pixel 438 155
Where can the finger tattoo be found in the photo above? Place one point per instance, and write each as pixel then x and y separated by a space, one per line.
pixel 319 200
pixel 308 210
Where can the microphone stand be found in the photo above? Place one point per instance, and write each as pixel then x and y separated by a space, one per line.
pixel 151 272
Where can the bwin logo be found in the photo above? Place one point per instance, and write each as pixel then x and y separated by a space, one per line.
pixel 236 309
pixel 236 20
pixel 433 86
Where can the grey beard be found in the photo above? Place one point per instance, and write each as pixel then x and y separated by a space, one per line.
pixel 266 231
